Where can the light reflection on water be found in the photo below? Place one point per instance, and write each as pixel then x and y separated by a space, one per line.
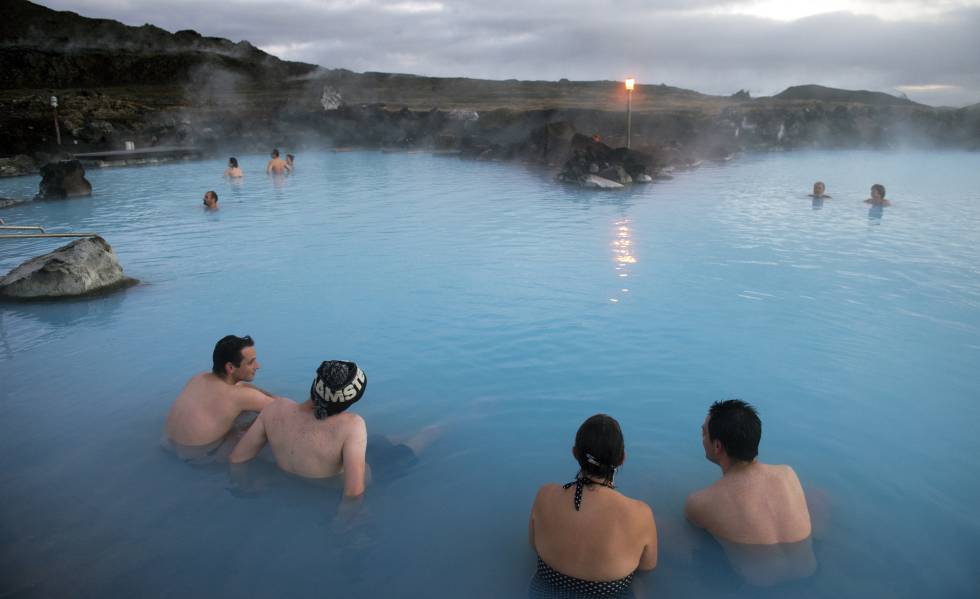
pixel 477 295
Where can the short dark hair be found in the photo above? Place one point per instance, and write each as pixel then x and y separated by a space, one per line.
pixel 736 424
pixel 879 188
pixel 233 162
pixel 275 152
pixel 599 447
pixel 229 349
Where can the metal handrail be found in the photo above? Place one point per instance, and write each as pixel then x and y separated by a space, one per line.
pixel 47 235
pixel 22 228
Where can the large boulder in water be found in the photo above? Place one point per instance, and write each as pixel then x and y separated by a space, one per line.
pixel 590 158
pixel 64 179
pixel 84 266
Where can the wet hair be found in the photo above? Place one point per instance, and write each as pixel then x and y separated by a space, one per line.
pixel 290 157
pixel 879 188
pixel 275 152
pixel 736 424
pixel 229 349
pixel 820 183
pixel 599 447
pixel 210 193
pixel 233 162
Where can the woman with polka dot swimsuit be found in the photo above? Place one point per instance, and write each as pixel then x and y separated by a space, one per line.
pixel 589 537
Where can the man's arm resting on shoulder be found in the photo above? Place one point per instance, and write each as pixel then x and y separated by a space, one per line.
pixel 259 389
pixel 355 447
pixel 250 397
pixel 251 444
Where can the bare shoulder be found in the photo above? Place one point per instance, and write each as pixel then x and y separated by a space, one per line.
pixel 640 511
pixel 784 472
pixel 547 492
pixel 698 504
pixel 201 378
pixel 350 421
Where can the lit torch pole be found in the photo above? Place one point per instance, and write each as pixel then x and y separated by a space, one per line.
pixel 629 107
pixel 57 130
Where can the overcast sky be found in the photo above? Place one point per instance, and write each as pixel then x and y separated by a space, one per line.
pixel 929 50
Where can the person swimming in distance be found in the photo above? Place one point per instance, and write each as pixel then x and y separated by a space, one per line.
pixel 233 171
pixel 276 165
pixel 319 438
pixel 819 190
pixel 208 405
pixel 210 200
pixel 877 196
pixel 589 537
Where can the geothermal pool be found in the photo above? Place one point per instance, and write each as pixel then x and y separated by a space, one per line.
pixel 485 298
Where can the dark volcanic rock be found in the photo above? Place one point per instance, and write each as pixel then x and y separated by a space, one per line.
pixel 84 266
pixel 65 179
pixel 16 166
pixel 592 160
pixel 551 143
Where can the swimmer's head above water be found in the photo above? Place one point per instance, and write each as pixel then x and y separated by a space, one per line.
pixel 599 448
pixel 233 162
pixel 275 153
pixel 877 192
pixel 336 387
pixel 210 199
pixel 819 189
pixel 233 359
pixel 732 428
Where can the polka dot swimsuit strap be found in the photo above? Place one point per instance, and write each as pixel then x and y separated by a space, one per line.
pixel 578 491
pixel 579 483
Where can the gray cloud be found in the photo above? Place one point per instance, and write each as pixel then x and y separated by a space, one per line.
pixel 935 60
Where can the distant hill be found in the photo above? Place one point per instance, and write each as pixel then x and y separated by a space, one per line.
pixel 829 94
pixel 40 47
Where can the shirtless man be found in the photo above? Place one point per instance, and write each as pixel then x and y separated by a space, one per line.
pixel 206 408
pixel 276 165
pixel 316 438
pixel 752 503
pixel 210 200
pixel 877 196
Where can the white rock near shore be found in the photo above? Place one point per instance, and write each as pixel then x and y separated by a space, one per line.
pixel 597 182
pixel 84 266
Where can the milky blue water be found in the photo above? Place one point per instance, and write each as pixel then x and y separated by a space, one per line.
pixel 485 298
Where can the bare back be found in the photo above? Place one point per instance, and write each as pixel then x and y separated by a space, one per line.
pixel 276 166
pixel 760 504
pixel 609 538
pixel 207 407
pixel 309 447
